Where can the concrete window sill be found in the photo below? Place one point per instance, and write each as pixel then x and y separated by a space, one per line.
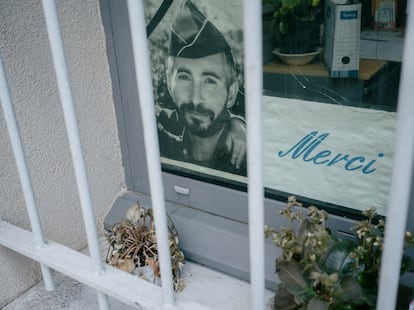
pixel 204 286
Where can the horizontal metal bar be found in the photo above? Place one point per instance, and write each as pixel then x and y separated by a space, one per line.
pixel 118 284
pixel 123 286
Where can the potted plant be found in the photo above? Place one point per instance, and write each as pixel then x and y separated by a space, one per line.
pixel 133 247
pixel 319 271
pixel 296 24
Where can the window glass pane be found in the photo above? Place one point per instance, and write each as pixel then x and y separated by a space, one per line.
pixel 329 101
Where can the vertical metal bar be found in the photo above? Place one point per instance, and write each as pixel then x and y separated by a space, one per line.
pixel 10 117
pixel 253 86
pixel 146 100
pixel 401 177
pixel 59 61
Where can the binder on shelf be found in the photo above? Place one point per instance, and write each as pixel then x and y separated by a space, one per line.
pixel 342 38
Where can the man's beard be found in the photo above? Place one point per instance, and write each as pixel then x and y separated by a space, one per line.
pixel 195 126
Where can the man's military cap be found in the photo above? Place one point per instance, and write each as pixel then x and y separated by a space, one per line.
pixel 193 36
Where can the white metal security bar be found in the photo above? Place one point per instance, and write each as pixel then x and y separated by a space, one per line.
pixel 252 43
pixel 146 100
pixel 401 177
pixel 66 99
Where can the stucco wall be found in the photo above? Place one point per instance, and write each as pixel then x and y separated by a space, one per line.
pixel 25 51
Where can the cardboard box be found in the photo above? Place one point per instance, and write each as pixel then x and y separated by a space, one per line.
pixel 342 39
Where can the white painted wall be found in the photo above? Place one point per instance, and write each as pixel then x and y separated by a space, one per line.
pixel 24 48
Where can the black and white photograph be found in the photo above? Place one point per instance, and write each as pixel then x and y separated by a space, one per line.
pixel 196 52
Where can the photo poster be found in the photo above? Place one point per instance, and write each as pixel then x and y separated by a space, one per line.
pixel 196 52
pixel 327 152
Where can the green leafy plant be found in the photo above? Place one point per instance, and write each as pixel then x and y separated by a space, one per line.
pixel 294 25
pixel 287 12
pixel 133 244
pixel 320 271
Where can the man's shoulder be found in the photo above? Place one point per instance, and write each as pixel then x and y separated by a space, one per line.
pixel 222 157
pixel 222 161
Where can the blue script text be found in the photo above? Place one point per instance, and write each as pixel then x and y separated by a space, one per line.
pixel 306 149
